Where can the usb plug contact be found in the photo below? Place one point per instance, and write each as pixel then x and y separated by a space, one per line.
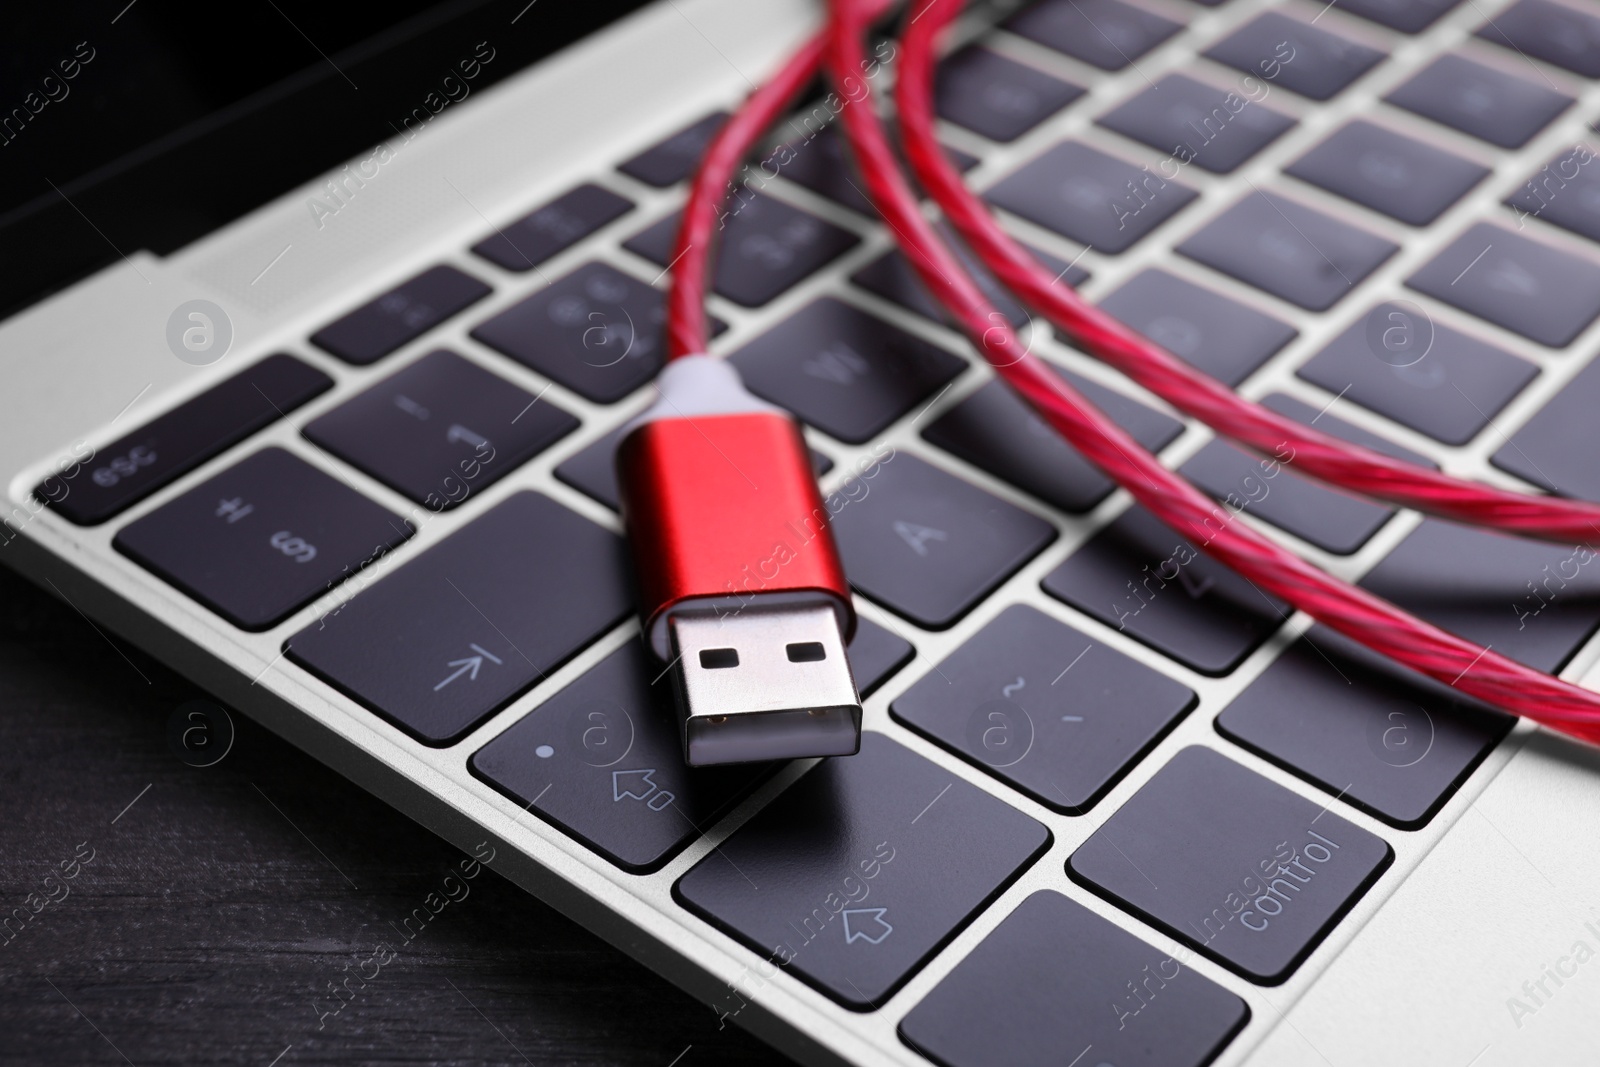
pixel 765 684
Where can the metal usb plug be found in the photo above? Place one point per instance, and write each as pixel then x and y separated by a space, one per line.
pixel 765 684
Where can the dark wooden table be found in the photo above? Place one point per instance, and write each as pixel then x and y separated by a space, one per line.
pixel 222 901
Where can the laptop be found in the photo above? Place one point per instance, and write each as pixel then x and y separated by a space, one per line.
pixel 314 371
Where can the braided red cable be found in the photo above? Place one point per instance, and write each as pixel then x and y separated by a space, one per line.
pixel 1478 672
pixel 1352 467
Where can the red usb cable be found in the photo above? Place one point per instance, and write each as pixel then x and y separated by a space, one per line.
pixel 1478 672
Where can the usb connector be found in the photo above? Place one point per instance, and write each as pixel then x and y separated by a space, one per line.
pixel 740 584
pixel 765 684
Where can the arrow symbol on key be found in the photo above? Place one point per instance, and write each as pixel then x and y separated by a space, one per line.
pixel 470 664
pixel 623 784
pixel 880 930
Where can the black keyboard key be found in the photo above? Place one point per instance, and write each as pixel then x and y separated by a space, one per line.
pixel 262 538
pixel 1035 991
pixel 560 224
pixel 1532 601
pixel 1156 587
pixel 1249 873
pixel 1106 33
pixel 1407 16
pixel 1326 517
pixel 1215 129
pixel 1555 33
pixel 1388 172
pixel 454 635
pixel 1555 449
pixel 441 430
pixel 848 373
pixel 1041 707
pixel 927 544
pixel 132 467
pixel 1429 377
pixel 862 869
pixel 1288 250
pixel 1486 103
pixel 995 430
pixel 597 331
pixel 1210 332
pixel 602 760
pixel 593 470
pixel 401 315
pixel 891 277
pixel 996 96
pixel 1565 191
pixel 1095 199
pixel 674 159
pixel 821 162
pixel 875 655
pixel 1394 744
pixel 1302 58
pixel 1529 287
pixel 767 247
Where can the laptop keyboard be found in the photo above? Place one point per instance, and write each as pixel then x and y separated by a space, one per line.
pixel 858 872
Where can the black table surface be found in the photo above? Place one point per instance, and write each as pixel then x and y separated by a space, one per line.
pixel 222 902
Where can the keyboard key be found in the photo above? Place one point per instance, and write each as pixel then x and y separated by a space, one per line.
pixel 1288 250
pixel 1449 391
pixel 1388 172
pixel 1565 191
pixel 603 761
pixel 441 429
pixel 400 316
pixel 848 373
pixel 1156 587
pixel 1407 16
pixel 262 538
pixel 1302 58
pixel 560 224
pixel 892 278
pixel 597 331
pixel 1394 744
pixel 1037 988
pixel 1555 449
pixel 1332 520
pixel 995 430
pixel 1532 601
pixel 1486 103
pixel 673 160
pixel 1093 198
pixel 767 247
pixel 927 544
pixel 997 97
pixel 1214 129
pixel 463 629
pixel 821 162
pixel 1529 287
pixel 593 470
pixel 1249 873
pixel 875 655
pixel 171 445
pixel 1041 707
pixel 1222 337
pixel 1555 33
pixel 1106 33
pixel 859 871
